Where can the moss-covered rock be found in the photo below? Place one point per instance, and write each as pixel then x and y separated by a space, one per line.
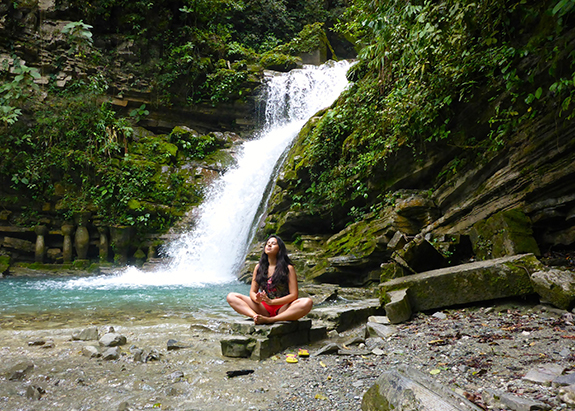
pixel 467 283
pixel 4 264
pixel 505 233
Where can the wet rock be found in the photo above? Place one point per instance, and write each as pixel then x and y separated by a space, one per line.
pixel 238 346
pixel 176 376
pixel 36 342
pixel 544 373
pixel 124 406
pixel 34 392
pixel 20 371
pixel 48 344
pixel 111 354
pixel 87 334
pixel 91 351
pixel 176 345
pixel 112 340
pixel 405 388
pixel 152 355
pixel 555 286
pixel 501 400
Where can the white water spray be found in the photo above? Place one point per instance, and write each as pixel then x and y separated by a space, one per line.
pixel 213 251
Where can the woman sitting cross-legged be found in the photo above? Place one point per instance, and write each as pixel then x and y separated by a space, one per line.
pixel 274 291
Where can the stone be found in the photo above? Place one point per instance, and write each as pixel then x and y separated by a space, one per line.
pixel 112 353
pixel 420 256
pixel 503 400
pixel 439 315
pixel 330 348
pixel 34 392
pixel 398 309
pixel 345 316
pixel 40 247
pixel 237 346
pixel 353 351
pixel 544 374
pixel 176 375
pixel 562 380
pixel 317 333
pixel 20 371
pixel 87 334
pixel 505 233
pixel 567 395
pixel 176 345
pixel 405 388
pixel 397 242
pixel 36 342
pixel 379 319
pixel 466 283
pixel 48 344
pixel 380 330
pixel 67 250
pixel 555 286
pixel 82 242
pixel 91 351
pixel 112 340
pixel 18 244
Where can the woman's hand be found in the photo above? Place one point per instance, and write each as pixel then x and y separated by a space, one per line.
pixel 260 296
pixel 266 299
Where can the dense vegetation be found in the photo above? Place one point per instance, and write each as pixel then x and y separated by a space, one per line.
pixel 453 73
pixel 65 150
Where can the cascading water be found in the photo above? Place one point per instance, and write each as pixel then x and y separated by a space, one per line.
pixel 213 251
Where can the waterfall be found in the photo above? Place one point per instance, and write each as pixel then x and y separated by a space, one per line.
pixel 216 247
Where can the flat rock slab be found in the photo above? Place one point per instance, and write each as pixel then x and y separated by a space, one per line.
pixel 345 316
pixel 405 388
pixel 544 374
pixel 467 283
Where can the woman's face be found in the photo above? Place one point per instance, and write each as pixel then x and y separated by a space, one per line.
pixel 272 247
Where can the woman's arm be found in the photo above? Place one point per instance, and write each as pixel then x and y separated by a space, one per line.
pixel 293 290
pixel 254 294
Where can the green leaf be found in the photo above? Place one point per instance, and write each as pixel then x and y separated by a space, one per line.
pixel 538 93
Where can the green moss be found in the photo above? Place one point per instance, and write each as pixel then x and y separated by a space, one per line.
pixel 279 61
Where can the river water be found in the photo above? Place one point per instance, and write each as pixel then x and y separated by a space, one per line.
pixel 205 261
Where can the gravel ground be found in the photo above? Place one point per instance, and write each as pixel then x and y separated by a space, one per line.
pixel 467 349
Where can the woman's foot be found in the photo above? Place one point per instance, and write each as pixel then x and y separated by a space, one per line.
pixel 262 319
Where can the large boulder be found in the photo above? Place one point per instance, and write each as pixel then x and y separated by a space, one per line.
pixel 466 283
pixel 555 286
pixel 405 388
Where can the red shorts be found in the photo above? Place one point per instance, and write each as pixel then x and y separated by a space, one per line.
pixel 272 309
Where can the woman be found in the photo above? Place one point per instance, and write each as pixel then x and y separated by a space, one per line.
pixel 274 292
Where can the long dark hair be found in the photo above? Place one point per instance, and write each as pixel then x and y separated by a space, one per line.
pixel 281 272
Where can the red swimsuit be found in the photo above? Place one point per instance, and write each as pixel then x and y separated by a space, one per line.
pixel 271 309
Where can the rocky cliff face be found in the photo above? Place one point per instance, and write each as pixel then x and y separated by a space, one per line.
pixel 449 196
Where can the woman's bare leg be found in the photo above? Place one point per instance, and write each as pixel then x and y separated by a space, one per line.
pixel 290 312
pixel 244 305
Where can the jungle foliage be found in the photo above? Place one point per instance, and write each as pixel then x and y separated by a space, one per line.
pixel 421 65
pixel 68 147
